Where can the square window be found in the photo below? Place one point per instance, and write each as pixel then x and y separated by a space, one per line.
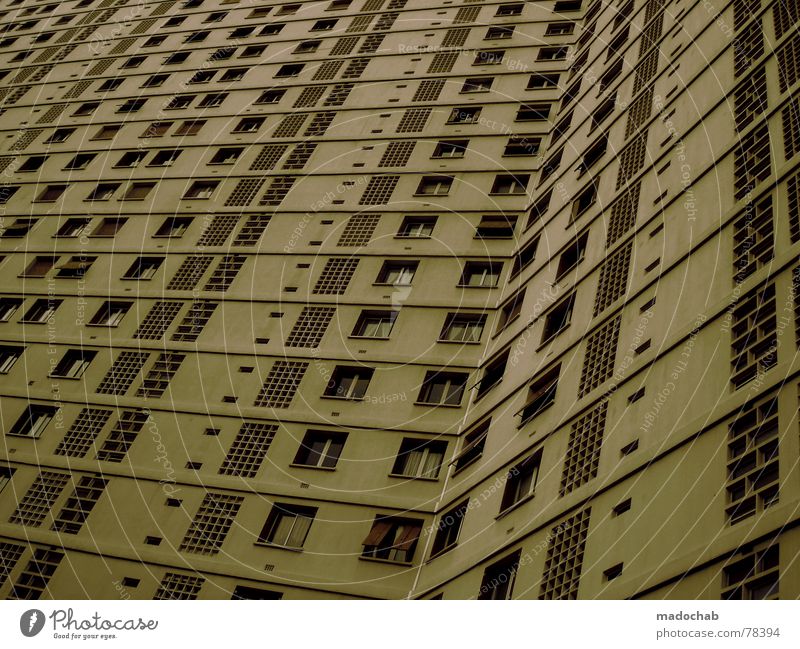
pixel 521 481
pixel 307 47
pixel 103 192
pixel 434 186
pixel 80 161
pixel 397 273
pixel 109 226
pixel 474 443
pixel 481 274
pixel 320 449
pixel 477 84
pixel 174 226
pixel 138 191
pixel 572 256
pixel 419 458
pixel 133 62
pixel 110 314
pixel 8 307
pixel 417 227
pixel 558 318
pixel 33 420
pixel 489 57
pixel 449 528
pixel 8 356
pixel 144 268
pixel 533 113
pixel 248 125
pixel 541 394
pixel 179 102
pixel 201 189
pixel 522 145
pixel 107 132
pixel 165 158
pixel 514 9
pixel 51 193
pixel 190 127
pixel 442 388
pixel 157 129
pixel 86 108
pixel 130 159
pixel 289 70
pixel 463 327
pixel 272 96
pixel 349 382
pixel 59 135
pixel 392 539
pixel 450 149
pixel 76 267
pixel 213 100
pixel 40 266
pixel 131 106
pixel 234 74
pixel 19 228
pixel 287 525
pixel 552 54
pixel 375 324
pixel 464 115
pixel 497 33
pixel 73 227
pixel 324 25
pixel 498 578
pixel 41 311
pixel 508 184
pixel 539 80
pixel 226 155
pixel 73 363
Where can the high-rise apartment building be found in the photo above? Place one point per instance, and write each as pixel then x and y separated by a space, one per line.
pixel 399 299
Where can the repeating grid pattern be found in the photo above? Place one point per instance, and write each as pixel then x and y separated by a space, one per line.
pixel 793 192
pixel 466 15
pixel 639 111
pixel 623 214
pixel 122 373
pixel 751 161
pixel 359 230
pixel 157 380
pixel 249 448
pixel 122 435
pixel 176 586
pixel 651 34
pixel 753 240
pixel 789 63
pixel 583 449
pixel 310 327
pixel 443 62
pixel 414 120
pixel 785 15
pixel 371 44
pixel 309 96
pixel 319 124
pixel 269 155
pixel 455 37
pixel 562 568
pixel 226 271
pixel 195 321
pixel 753 335
pixel 429 90
pixel 336 276
pixel 36 503
pixel 278 190
pixel 327 70
pixel 360 23
pixel 157 321
pixel 748 47
pixel 189 273
pixel 791 128
pixel 613 278
pixel 300 155
pixel 339 94
pixel 397 154
pixel 79 505
pixel 753 459
pixel 344 45
pixel 750 99
pixel 218 230
pixel 645 70
pixel 252 230
pixel 379 190
pixel 281 384
pixel 287 127
pixel 33 580
pixel 244 192
pixel 356 67
pixel 51 114
pixel 10 554
pixel 631 159
pixel 84 430
pixel 601 351
pixel 211 524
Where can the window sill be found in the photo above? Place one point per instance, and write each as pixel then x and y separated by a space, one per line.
pixel 436 405
pixel 515 506
pixel 411 237
pixel 100 325
pixel 458 470
pixel 353 336
pixel 335 398
pixel 66 378
pixel 275 546
pixel 471 286
pixel 311 466
pixel 412 477
pixel 22 435
pixel 431 195
pixel 534 416
pixel 392 285
pixel 459 342
pixel 34 322
pixel 385 561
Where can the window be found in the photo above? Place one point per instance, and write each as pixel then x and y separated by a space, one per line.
pixel 349 382
pixel 498 579
pixel 41 311
pixel 464 115
pixel 109 85
pixel 442 388
pixel 492 374
pixel 33 163
pixel 241 32
pixel 560 29
pixel 215 17
pixel 80 161
pixel 496 226
pixel 76 267
pixel 521 481
pixel 514 9
pixel 195 37
pixel 8 307
pixel 201 189
pixel 449 528
pixel 540 81
pixel 159 129
pixel 108 227
pixel 497 33
pixel 33 420
pixel 107 132
pixel 154 41
pixel 753 574
pixel 307 47
pixel 288 10
pixel 103 192
pixel 289 70
pixel 40 266
pixel 51 193
pixel 6 192
pixel 252 51
pixel 59 135
pixel 213 100
pixel 202 76
pixel 533 113
pixel 324 25
pixel 375 324
pixel 558 318
pixel 179 102
pixel 508 184
pixel 19 228
pixel 272 30
pixel 9 356
pixel 463 327
pixel 272 96
pixel 138 191
pixel 477 84
pixel 5 477
pixel 480 274
pixel 417 227
pixel 131 106
pixel 73 364
pixel 593 154
pixel 174 226
pixel 522 145
pixel 259 12
pixel 144 268
pixel 164 158
pixel 450 149
pixel 572 256
pixel 398 273
pixel 133 62
pixel 552 54
pixel 392 539
pixel 320 449
pixel 86 108
pixel 110 314
pixel 474 442
pixel 248 125
pixel 234 74
pixel 288 525
pixel 419 458
pixel 541 394
pixel 434 186
pixel 189 127
pixel 584 201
